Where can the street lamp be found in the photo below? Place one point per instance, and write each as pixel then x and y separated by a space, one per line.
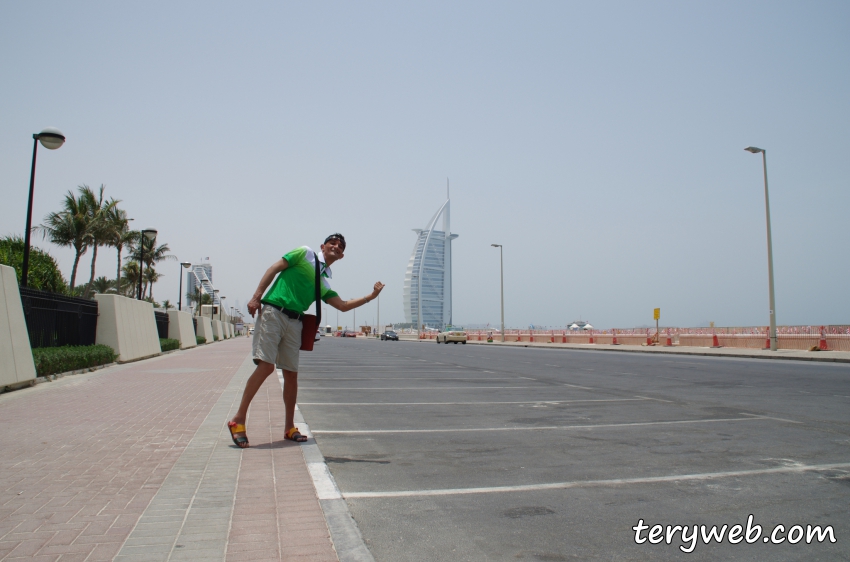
pixel 220 306
pixel 212 303
pixel 502 284
pixel 773 342
pixel 50 139
pixel 150 234
pixel 187 265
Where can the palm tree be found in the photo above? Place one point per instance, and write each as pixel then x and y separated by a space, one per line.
pixel 150 277
pixel 152 255
pixel 100 228
pixel 166 304
pixel 199 298
pixel 103 285
pixel 70 227
pixel 131 274
pixel 120 236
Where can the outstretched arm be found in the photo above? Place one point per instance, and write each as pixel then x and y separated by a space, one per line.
pixel 345 306
pixel 278 266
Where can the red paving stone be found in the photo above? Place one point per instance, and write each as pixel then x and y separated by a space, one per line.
pixel 276 515
pixel 83 456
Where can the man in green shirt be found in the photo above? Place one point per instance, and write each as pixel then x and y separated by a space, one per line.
pixel 277 333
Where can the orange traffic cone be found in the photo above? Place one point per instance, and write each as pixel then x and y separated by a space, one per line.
pixel 822 343
pixel 767 340
pixel 563 337
pixel 715 343
pixel 591 336
pixel 648 338
pixel 669 342
pixel 614 342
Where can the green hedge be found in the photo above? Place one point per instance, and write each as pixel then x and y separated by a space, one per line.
pixel 215 337
pixel 201 340
pixel 168 344
pixel 51 360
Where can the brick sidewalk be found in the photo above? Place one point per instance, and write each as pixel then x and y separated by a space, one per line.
pixel 134 462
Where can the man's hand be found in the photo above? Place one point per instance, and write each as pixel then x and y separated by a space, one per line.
pixel 254 305
pixel 378 288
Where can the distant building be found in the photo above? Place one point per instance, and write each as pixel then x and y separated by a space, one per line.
pixel 200 275
pixel 428 280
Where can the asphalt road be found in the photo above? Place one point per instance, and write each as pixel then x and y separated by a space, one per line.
pixel 469 452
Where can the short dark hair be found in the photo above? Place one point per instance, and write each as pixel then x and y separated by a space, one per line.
pixel 336 236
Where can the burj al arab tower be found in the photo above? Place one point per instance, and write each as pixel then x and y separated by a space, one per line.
pixel 428 281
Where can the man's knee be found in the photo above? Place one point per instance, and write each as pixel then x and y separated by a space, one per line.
pixel 290 376
pixel 264 368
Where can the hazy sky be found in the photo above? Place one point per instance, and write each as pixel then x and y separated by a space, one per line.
pixel 600 142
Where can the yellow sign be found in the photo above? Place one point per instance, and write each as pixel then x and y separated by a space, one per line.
pixel 656 314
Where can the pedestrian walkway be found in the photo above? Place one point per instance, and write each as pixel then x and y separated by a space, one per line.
pixel 134 462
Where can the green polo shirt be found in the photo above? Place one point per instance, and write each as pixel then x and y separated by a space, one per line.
pixel 295 287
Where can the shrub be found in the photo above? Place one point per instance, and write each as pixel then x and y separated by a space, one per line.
pixel 44 274
pixel 215 337
pixel 168 344
pixel 51 360
pixel 201 340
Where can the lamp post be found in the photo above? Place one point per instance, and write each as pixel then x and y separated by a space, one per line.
pixel 50 139
pixel 150 234
pixel 220 306
pixel 773 342
pixel 502 284
pixel 212 304
pixel 187 265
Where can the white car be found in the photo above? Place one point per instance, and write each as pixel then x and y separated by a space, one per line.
pixel 452 336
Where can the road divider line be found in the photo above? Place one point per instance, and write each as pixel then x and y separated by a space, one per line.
pixel 598 483
pixel 536 428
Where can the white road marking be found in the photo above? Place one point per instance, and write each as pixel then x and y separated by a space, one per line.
pixel 414 378
pixel 577 386
pixel 537 428
pixel 597 483
pixel 769 418
pixel 638 399
pixel 411 387
pixel 658 400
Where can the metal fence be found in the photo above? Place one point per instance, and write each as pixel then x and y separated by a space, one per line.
pixel 56 320
pixel 161 323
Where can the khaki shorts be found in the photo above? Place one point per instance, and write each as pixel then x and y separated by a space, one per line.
pixel 277 339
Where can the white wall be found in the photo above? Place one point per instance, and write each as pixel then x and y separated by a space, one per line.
pixel 128 326
pixel 205 328
pixel 217 329
pixel 16 364
pixel 181 328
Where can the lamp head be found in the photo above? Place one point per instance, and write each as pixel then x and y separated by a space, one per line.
pixel 150 233
pixel 186 264
pixel 754 150
pixel 50 138
pixel 496 245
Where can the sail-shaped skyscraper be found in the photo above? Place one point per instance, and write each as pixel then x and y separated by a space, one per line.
pixel 428 281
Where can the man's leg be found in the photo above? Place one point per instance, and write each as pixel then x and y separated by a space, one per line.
pixel 290 397
pixel 255 381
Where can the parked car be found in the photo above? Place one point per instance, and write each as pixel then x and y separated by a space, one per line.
pixel 389 335
pixel 349 334
pixel 452 336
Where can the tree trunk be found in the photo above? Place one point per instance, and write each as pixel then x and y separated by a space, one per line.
pixel 91 279
pixel 74 270
pixel 118 274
